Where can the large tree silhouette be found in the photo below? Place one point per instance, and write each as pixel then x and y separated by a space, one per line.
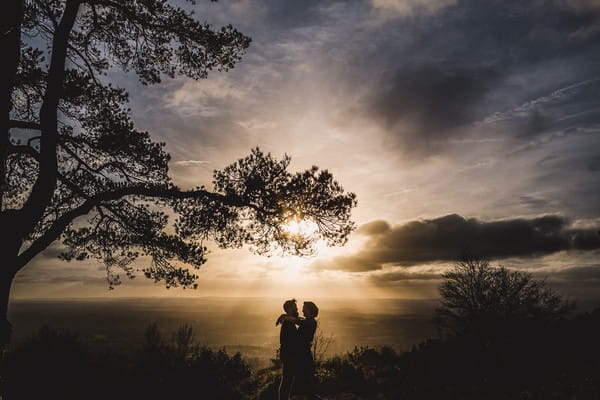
pixel 75 168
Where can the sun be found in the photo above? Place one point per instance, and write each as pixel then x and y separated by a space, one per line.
pixel 300 227
pixel 302 239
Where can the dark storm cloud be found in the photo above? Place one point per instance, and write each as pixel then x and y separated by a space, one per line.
pixel 284 14
pixel 431 99
pixel 481 57
pixel 451 237
pixel 374 228
pixel 504 33
pixel 593 164
pixel 579 282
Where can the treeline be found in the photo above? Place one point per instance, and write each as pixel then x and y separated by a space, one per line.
pixel 502 335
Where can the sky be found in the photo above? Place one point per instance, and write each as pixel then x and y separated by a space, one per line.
pixel 461 125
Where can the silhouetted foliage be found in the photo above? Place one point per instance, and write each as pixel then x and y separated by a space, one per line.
pixel 479 299
pixel 59 365
pixel 179 368
pixel 69 149
pixel 54 365
pixel 367 372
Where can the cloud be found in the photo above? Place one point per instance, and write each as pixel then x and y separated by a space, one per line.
pixel 425 101
pixel 451 237
pixel 295 13
pixel 205 97
pixel 190 163
pixel 400 275
pixel 581 5
pixel 360 262
pixel 62 278
pixel 399 8
pixel 422 105
pixel 374 228
pixel 52 251
pixel 534 203
pixel 442 72
pixel 568 109
pixel 593 164
pixel 578 274
pixel 588 11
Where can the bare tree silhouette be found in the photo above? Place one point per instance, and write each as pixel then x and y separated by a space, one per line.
pixel 320 345
pixel 476 297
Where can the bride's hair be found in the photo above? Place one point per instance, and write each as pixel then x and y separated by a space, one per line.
pixel 312 307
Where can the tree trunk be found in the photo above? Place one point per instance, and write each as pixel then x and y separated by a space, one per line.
pixel 9 251
pixel 11 19
pixel 10 51
pixel 6 279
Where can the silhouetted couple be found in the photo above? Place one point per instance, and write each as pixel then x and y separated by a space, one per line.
pixel 296 339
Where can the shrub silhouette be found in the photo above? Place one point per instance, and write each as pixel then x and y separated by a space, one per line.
pixel 181 368
pixel 59 365
pixel 51 365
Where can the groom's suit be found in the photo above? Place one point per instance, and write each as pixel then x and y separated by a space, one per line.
pixel 288 352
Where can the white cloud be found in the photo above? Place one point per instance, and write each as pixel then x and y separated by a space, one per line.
pixel 254 123
pixel 526 108
pixel 203 97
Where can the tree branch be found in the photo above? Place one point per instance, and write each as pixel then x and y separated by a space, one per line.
pixel 118 165
pixel 24 149
pixel 88 66
pixel 67 218
pixel 24 125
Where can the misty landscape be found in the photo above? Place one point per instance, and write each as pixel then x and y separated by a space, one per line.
pixel 238 324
